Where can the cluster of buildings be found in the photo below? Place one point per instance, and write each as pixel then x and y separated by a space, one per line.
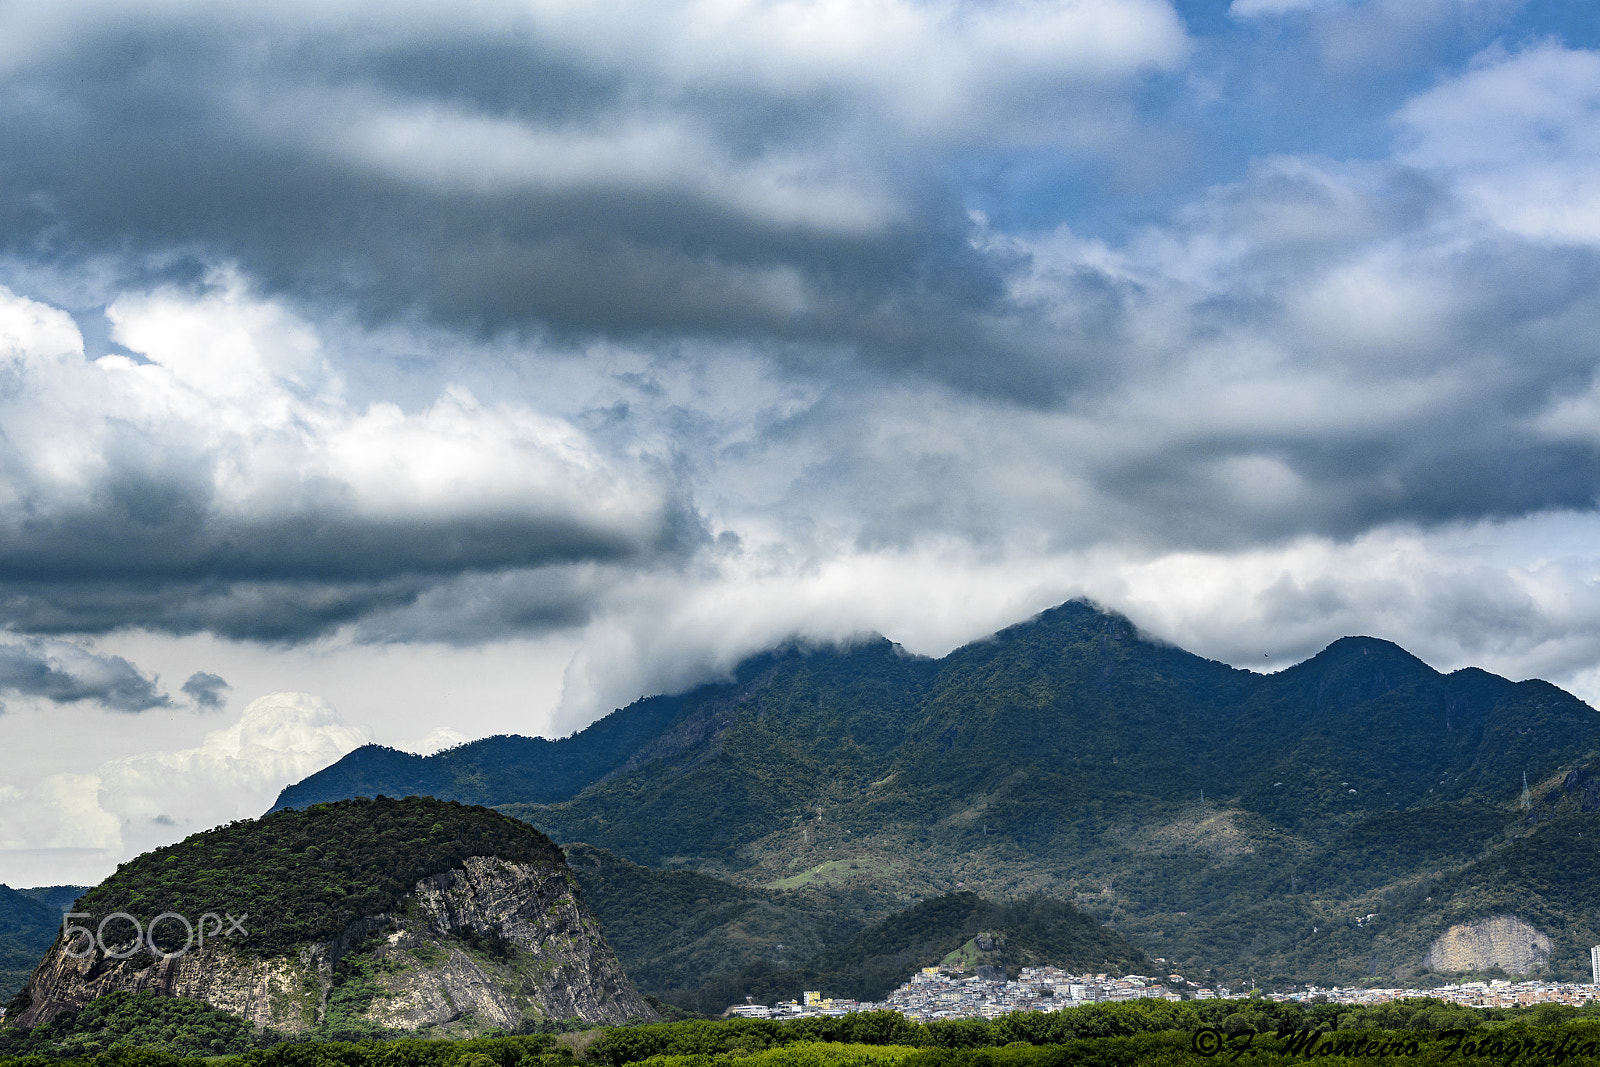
pixel 934 994
pixel 937 994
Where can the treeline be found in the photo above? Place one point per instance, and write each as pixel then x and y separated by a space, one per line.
pixel 143 1030
pixel 533 1051
pixel 1577 1044
pixel 1094 1022
pixel 882 1042
pixel 180 1027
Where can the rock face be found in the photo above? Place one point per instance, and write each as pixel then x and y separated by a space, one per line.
pixel 488 944
pixel 1502 941
pixel 268 992
pixel 565 967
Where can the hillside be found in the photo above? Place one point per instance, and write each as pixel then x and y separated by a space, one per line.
pixel 703 943
pixel 1238 824
pixel 959 930
pixel 687 937
pixel 27 926
pixel 352 918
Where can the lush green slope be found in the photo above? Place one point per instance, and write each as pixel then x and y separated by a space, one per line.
pixel 303 876
pixel 681 935
pixel 27 927
pixel 1232 822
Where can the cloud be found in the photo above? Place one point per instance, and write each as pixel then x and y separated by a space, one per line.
pixel 222 460
pixel 277 739
pixel 435 740
pixel 206 690
pixel 1315 349
pixel 65 673
pixel 86 822
pixel 1517 135
pixel 1521 598
pixel 62 812
pixel 513 321
pixel 1249 9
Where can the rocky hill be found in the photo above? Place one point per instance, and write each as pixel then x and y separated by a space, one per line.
pixel 1326 823
pixel 345 920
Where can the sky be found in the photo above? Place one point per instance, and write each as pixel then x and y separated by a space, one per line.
pixel 416 372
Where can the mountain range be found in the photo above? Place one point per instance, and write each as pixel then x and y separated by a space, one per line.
pixel 1336 821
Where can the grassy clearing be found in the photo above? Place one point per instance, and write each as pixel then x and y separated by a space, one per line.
pixel 836 872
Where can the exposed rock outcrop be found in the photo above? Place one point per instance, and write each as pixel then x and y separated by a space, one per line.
pixel 570 972
pixel 268 992
pixel 1502 941
pixel 488 944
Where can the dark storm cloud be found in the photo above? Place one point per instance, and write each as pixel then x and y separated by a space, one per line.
pixel 64 673
pixel 206 690
pixel 268 612
pixel 788 213
pixel 454 606
pixel 159 536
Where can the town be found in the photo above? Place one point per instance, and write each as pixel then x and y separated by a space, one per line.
pixel 935 993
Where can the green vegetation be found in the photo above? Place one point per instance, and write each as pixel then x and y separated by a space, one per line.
pixel 799 1054
pixel 531 1051
pixel 833 872
pixel 304 876
pixel 686 937
pixel 1087 1031
pixel 179 1027
pixel 138 1020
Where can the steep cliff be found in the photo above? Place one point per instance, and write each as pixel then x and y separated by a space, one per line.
pixel 476 942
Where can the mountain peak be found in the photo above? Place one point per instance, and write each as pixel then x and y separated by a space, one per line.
pixel 1368 654
pixel 1355 669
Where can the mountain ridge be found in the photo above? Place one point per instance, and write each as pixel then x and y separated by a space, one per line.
pixel 1182 800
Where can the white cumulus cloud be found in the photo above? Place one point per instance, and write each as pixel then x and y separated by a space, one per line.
pixel 1520 135
pixel 81 825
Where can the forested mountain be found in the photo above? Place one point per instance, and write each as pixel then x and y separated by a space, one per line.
pixel 1240 824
